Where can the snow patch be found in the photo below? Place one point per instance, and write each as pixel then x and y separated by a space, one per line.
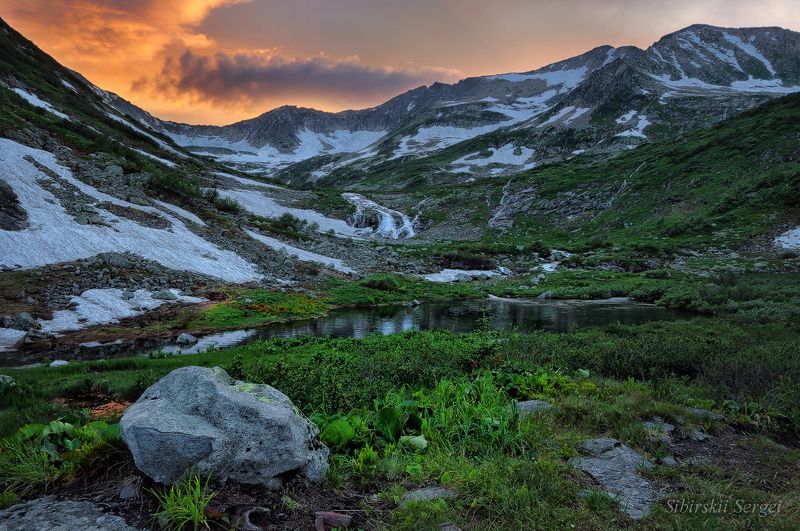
pixel 9 338
pixel 789 239
pixel 102 306
pixel 750 50
pixel 638 132
pixel 627 117
pixel 301 254
pixel 165 162
pixel 506 155
pixel 265 206
pixel 38 102
pixel 458 275
pixel 185 214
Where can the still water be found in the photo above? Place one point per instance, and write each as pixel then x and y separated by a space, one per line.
pixel 458 316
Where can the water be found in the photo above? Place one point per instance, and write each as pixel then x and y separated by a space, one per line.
pixel 458 316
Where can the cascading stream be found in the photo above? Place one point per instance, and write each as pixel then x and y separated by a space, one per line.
pixel 389 223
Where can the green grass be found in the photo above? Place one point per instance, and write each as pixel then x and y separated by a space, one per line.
pixel 183 506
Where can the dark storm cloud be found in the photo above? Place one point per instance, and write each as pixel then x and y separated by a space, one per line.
pixel 254 76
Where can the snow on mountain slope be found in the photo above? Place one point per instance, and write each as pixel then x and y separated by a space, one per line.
pixel 37 102
pixel 55 236
pixel 696 76
pixel 102 306
pixel 301 254
pixel 263 205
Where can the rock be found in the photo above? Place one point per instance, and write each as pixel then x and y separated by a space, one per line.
pixel 21 321
pixel 427 494
pixel 599 445
pixel 165 295
pixel 199 418
pixel 530 407
pixel 186 339
pixel 44 514
pixel 112 170
pixel 545 295
pixel 58 363
pixel 327 519
pixel 414 303
pixel 706 414
pixel 698 435
pixel 130 489
pixel 504 271
pixel 6 382
pixel 669 461
pixel 616 466
pixel 112 259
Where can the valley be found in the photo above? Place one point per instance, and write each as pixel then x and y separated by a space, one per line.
pixel 472 296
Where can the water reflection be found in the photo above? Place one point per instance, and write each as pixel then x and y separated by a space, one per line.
pixel 457 316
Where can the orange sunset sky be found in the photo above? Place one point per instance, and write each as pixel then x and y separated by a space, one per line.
pixel 218 61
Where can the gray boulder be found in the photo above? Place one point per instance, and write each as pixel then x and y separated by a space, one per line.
pixel 47 514
pixel 705 414
pixel 616 467
pixel 21 321
pixel 201 419
pixel 6 382
pixel 530 407
pixel 186 339
pixel 165 295
pixel 427 494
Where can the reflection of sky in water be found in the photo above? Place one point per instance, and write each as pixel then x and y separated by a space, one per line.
pixel 458 316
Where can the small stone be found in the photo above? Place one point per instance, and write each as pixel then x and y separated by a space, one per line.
pixel 669 461
pixel 165 295
pixel 530 407
pixel 427 494
pixel 546 295
pixel 130 488
pixel 6 382
pixel 331 519
pixel 186 339
pixel 698 435
pixel 599 445
pixel 58 363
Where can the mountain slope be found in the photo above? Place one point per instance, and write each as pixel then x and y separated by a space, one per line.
pixel 605 100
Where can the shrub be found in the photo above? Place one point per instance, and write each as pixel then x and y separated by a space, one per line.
pixel 382 283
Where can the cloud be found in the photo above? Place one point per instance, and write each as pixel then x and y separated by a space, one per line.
pixel 252 77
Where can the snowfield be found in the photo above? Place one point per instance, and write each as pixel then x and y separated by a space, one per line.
pixel 102 306
pixel 265 206
pixel 311 145
pixel 301 254
pixel 457 275
pixel 503 155
pixel 54 236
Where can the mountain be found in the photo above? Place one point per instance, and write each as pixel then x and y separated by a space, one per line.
pixel 606 100
pixel 104 209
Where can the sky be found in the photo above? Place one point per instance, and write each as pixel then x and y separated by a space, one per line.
pixel 219 61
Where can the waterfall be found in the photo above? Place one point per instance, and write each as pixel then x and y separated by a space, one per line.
pixel 385 222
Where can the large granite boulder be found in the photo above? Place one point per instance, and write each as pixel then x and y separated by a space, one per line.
pixel 201 419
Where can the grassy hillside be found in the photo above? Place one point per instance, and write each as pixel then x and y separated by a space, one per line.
pixel 725 186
